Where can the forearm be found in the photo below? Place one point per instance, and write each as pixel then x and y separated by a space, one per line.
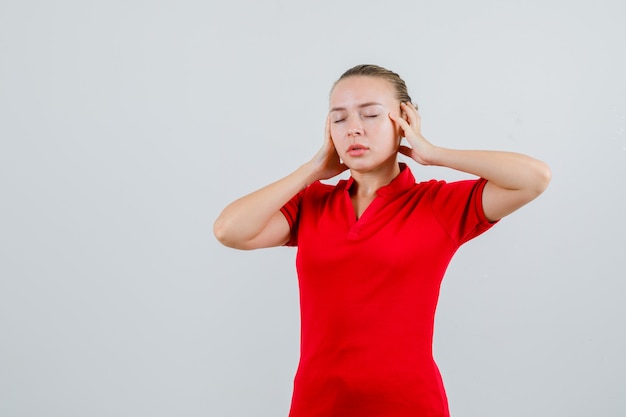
pixel 245 218
pixel 513 179
pixel 508 170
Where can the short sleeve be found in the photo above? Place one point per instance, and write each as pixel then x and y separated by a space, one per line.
pixel 458 206
pixel 291 211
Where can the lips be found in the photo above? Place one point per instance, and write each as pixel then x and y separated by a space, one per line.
pixel 356 149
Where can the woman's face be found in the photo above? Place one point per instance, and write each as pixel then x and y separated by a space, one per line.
pixel 364 135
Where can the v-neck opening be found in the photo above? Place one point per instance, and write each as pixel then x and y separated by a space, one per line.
pixel 365 213
pixel 398 184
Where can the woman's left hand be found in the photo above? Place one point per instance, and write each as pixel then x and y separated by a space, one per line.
pixel 420 149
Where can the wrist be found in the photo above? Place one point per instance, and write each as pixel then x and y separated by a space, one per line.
pixel 307 174
pixel 435 156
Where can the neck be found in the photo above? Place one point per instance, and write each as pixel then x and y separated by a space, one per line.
pixel 366 183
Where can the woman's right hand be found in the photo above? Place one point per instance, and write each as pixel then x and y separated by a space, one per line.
pixel 255 220
pixel 326 162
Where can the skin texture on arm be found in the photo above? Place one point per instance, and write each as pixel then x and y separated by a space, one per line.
pixel 255 221
pixel 513 179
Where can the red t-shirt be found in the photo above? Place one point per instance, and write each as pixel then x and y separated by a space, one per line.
pixel 368 293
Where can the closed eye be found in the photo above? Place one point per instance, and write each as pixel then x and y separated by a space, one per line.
pixel 338 121
pixel 371 115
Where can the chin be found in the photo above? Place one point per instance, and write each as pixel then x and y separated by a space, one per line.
pixel 363 166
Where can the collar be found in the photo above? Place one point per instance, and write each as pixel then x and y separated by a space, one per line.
pixel 402 182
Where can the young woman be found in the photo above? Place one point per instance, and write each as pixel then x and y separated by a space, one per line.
pixel 373 249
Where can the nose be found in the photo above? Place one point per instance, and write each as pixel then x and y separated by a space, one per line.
pixel 355 129
pixel 354 132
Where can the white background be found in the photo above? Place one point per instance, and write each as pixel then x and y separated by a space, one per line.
pixel 126 126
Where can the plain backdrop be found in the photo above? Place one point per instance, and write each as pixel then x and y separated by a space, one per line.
pixel 126 126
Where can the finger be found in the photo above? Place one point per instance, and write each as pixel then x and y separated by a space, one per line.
pixel 418 117
pixel 402 123
pixel 411 113
pixel 328 139
pixel 327 128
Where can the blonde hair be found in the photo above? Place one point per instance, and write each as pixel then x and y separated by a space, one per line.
pixel 370 70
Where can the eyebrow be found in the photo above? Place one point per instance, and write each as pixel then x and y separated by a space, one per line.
pixel 368 104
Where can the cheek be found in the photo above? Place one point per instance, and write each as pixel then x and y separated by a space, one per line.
pixel 334 135
pixel 392 131
pixel 387 126
pixel 335 131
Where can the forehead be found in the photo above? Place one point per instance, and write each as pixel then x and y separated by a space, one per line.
pixel 361 89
